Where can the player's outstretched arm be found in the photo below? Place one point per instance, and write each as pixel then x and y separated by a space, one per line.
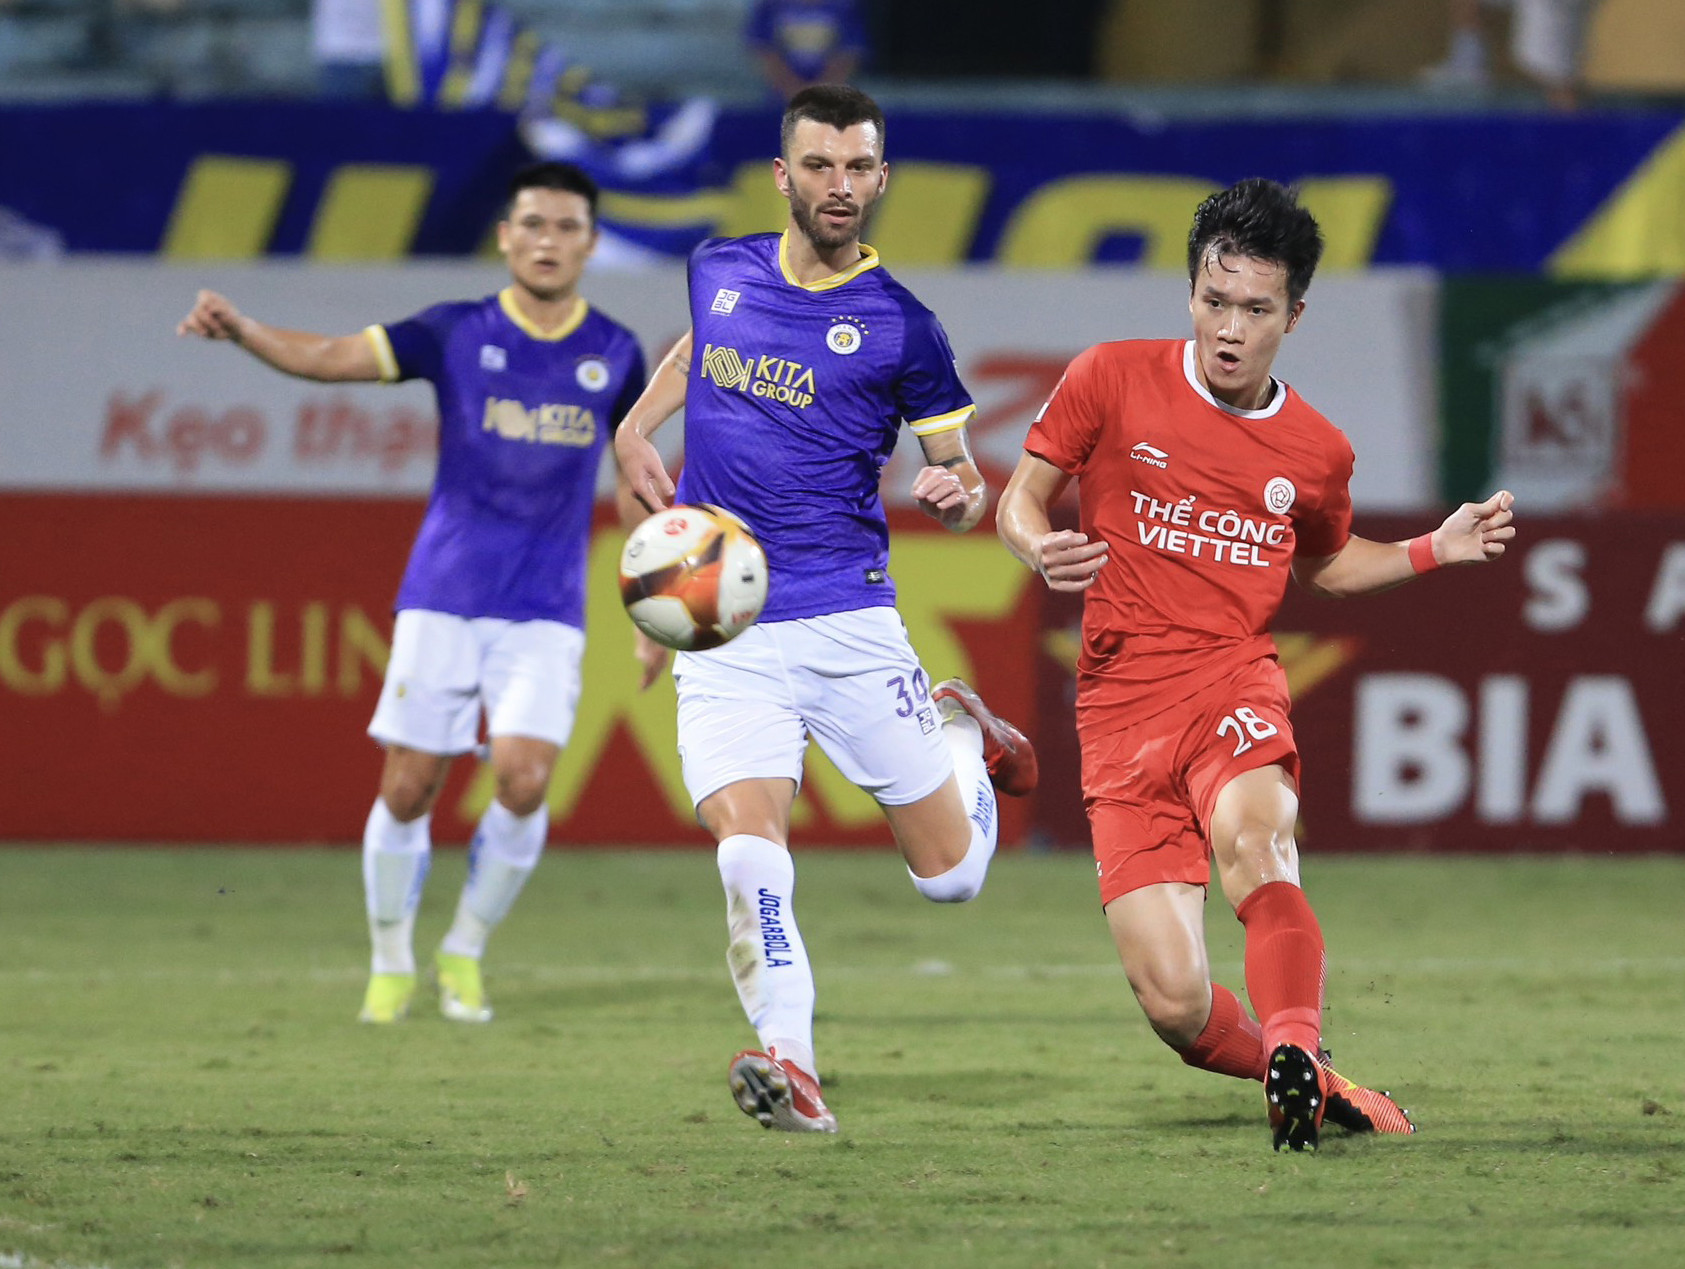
pixel 641 467
pixel 949 488
pixel 1066 559
pixel 1475 533
pixel 324 358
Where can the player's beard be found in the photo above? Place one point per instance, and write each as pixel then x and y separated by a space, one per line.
pixel 823 236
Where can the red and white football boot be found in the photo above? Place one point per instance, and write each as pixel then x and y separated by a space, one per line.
pixel 778 1094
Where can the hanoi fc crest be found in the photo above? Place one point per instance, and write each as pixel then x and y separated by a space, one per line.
pixel 592 374
pixel 844 338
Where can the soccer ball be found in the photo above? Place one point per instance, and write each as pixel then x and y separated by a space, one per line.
pixel 693 577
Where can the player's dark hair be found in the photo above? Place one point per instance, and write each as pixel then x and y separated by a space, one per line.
pixel 835 105
pixel 552 175
pixel 1261 219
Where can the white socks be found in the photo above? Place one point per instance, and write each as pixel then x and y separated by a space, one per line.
pixel 396 856
pixel 395 861
pixel 964 881
pixel 767 957
pixel 501 857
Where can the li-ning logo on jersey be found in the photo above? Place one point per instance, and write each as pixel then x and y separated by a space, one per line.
pixel 542 425
pixel 493 358
pixel 1279 495
pixel 592 374
pixel 1151 454
pixel 774 378
pixel 725 301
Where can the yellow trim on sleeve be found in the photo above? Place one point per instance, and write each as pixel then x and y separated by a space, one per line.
pixel 868 260
pixel 506 301
pixel 943 422
pixel 383 354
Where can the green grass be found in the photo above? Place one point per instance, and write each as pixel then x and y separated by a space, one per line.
pixel 184 1085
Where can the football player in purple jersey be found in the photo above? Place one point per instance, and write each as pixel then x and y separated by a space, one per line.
pixel 803 360
pixel 490 616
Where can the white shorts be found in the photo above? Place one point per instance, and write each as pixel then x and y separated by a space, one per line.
pixel 444 668
pixel 850 679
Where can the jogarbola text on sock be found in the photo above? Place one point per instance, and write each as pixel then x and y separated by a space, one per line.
pixel 773 938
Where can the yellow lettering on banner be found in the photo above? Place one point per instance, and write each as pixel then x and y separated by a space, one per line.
pixel 313 649
pixel 370 211
pixel 929 213
pixel 362 645
pixel 755 205
pixel 262 679
pixel 1638 232
pixel 146 647
pixel 227 208
pixel 940 578
pixel 666 211
pixel 1350 211
pixel 110 685
pixel 171 677
pixel 1062 224
pixel 53 670
pixel 929 217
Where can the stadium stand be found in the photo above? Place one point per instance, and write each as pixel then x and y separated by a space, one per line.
pixel 62 49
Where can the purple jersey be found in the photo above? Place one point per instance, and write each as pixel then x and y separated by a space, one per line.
pixel 523 417
pixel 795 398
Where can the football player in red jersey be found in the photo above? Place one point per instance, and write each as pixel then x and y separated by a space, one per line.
pixel 1202 481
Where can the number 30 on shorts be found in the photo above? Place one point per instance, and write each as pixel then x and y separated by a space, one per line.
pixel 921 691
pixel 1247 728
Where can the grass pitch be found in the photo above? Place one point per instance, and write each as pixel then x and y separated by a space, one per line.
pixel 184 1084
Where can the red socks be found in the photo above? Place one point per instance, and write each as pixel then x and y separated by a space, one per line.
pixel 1285 965
pixel 1232 1043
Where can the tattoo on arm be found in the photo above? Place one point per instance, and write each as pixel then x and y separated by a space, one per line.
pixel 958 460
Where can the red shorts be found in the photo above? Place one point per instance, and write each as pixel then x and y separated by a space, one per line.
pixel 1149 788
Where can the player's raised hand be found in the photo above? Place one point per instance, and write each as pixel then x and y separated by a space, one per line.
pixel 1068 561
pixel 651 656
pixel 1476 531
pixel 212 317
pixel 646 475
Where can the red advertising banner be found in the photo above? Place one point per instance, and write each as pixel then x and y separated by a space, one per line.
pixel 1530 705
pixel 203 669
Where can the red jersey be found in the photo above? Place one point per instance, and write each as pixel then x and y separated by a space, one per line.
pixel 1204 506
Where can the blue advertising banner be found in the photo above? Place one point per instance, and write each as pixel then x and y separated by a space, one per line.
pixel 1594 194
pixel 119 177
